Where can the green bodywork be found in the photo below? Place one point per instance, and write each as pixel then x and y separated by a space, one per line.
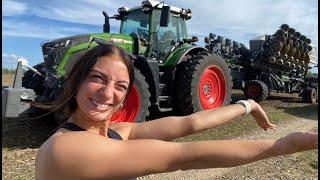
pixel 145 25
pixel 176 55
pixel 122 40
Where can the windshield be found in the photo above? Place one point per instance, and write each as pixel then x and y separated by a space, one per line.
pixel 136 22
pixel 166 37
pixel 176 25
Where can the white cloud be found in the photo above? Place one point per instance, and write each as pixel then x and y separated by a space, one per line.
pixel 238 20
pixel 43 31
pixel 10 57
pixel 10 60
pixel 255 17
pixel 13 8
pixel 77 11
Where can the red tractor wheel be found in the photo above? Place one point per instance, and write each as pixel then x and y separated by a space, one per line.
pixel 135 107
pixel 212 87
pixel 256 90
pixel 202 82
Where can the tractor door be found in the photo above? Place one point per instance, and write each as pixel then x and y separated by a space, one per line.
pixel 167 36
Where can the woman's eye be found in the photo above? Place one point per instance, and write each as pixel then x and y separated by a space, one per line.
pixel 96 78
pixel 122 87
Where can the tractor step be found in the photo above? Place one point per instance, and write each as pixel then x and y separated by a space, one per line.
pixel 165 109
pixel 163 98
pixel 164 103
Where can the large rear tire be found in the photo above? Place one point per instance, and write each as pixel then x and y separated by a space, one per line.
pixel 256 90
pixel 202 82
pixel 135 108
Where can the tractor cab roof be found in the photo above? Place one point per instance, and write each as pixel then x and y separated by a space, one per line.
pixel 151 4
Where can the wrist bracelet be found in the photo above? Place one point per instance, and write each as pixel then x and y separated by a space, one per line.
pixel 246 104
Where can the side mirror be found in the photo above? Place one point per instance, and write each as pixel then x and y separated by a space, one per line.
pixel 106 26
pixel 165 16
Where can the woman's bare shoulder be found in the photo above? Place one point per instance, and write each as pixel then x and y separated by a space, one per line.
pixel 61 144
pixel 62 152
pixel 72 153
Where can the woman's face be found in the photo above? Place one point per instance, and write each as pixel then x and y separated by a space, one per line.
pixel 104 89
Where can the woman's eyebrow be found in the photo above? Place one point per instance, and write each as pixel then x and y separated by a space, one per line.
pixel 123 82
pixel 105 76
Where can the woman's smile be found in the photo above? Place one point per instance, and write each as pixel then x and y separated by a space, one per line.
pixel 98 105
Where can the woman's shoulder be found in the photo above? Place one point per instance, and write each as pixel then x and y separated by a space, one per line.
pixel 62 148
pixel 64 142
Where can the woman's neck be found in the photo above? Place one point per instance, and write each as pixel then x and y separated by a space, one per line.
pixel 100 128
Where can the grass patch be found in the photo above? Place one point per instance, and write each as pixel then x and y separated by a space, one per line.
pixel 7 79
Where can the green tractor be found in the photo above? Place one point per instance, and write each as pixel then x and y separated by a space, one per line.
pixel 171 71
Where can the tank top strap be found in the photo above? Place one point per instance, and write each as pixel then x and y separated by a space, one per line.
pixel 73 127
pixel 113 134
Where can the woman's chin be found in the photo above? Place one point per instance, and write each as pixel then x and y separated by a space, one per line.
pixel 100 117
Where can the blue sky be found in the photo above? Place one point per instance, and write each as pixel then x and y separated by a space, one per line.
pixel 25 24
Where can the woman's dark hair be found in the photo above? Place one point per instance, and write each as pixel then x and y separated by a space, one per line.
pixel 81 69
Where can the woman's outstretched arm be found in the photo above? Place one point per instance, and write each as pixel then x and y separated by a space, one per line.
pixel 111 159
pixel 172 127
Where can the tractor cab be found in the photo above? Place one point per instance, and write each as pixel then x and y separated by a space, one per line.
pixel 157 27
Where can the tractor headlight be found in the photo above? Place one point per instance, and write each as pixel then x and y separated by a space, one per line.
pixel 186 14
pixel 62 44
pixel 123 10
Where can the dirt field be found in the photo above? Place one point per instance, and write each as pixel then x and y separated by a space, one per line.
pixel 21 139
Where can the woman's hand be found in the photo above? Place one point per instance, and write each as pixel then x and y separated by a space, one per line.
pixel 299 141
pixel 260 116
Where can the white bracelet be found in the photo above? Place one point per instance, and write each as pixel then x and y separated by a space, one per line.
pixel 246 104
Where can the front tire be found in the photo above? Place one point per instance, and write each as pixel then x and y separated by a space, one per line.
pixel 256 90
pixel 202 82
pixel 135 107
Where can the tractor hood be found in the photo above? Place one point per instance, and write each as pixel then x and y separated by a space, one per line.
pixel 67 41
pixel 60 54
pixel 71 41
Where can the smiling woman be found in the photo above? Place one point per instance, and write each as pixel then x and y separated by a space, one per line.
pixel 88 146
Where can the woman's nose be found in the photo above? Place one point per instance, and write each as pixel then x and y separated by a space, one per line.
pixel 107 92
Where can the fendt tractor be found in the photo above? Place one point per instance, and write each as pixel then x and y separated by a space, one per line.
pixel 279 62
pixel 171 71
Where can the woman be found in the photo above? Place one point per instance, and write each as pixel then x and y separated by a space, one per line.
pixel 89 147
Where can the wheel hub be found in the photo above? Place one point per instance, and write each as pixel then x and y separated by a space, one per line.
pixel 212 87
pixel 207 89
pixel 253 90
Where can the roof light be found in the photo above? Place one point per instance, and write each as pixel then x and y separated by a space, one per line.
pixel 186 14
pixel 123 10
pixel 146 6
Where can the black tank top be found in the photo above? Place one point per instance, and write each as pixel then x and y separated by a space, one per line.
pixel 73 127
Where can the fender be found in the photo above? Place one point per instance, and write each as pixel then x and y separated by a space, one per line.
pixel 177 56
pixel 149 68
pixel 192 50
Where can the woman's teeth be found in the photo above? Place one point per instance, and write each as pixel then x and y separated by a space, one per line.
pixel 100 105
